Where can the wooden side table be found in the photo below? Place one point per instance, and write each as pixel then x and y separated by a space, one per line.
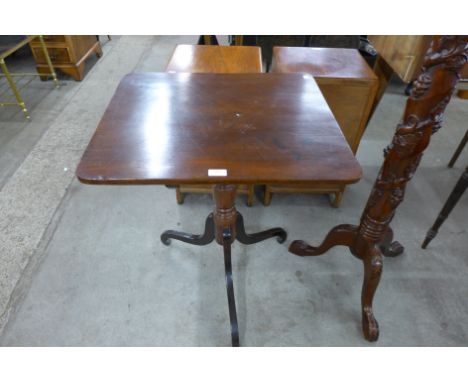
pixel 349 87
pixel 221 130
pixel 214 59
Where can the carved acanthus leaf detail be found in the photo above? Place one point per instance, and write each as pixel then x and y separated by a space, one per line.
pixel 421 86
pixel 423 115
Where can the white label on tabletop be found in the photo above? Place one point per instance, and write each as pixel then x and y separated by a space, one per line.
pixel 217 172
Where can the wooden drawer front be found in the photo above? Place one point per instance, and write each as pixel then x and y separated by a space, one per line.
pixel 57 55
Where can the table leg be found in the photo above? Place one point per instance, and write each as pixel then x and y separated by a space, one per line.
pixel 230 287
pixel 459 150
pixel 179 196
pixel 366 250
pixel 452 200
pixel 206 238
pixel 239 40
pixel 225 225
pixel 253 238
pixel 335 200
pixel 13 88
pixel 48 61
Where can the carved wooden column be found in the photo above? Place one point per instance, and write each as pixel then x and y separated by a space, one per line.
pixel 423 116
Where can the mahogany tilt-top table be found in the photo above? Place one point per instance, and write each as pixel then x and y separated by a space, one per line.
pixel 219 129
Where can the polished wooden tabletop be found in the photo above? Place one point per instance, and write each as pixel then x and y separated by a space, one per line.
pixel 215 59
pixel 162 128
pixel 322 62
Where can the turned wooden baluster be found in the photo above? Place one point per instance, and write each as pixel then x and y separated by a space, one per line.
pixel 372 238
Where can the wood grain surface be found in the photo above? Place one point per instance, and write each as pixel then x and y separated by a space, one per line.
pixel 165 128
pixel 215 59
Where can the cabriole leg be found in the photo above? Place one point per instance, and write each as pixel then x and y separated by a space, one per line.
pixel 206 238
pixel 372 259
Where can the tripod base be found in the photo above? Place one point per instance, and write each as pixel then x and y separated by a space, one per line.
pixel 371 255
pixel 225 225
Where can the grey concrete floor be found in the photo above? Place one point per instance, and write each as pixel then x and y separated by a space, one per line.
pixel 83 265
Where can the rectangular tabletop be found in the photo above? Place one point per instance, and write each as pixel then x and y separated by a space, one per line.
pixel 340 63
pixel 215 59
pixel 162 128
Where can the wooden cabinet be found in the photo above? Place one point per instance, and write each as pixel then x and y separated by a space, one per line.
pixel 348 85
pixel 68 53
pixel 346 81
pixel 404 54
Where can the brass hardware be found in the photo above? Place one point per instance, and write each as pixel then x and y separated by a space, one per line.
pixel 14 89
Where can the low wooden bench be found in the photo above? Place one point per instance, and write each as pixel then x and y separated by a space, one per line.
pixel 214 59
pixel 349 86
